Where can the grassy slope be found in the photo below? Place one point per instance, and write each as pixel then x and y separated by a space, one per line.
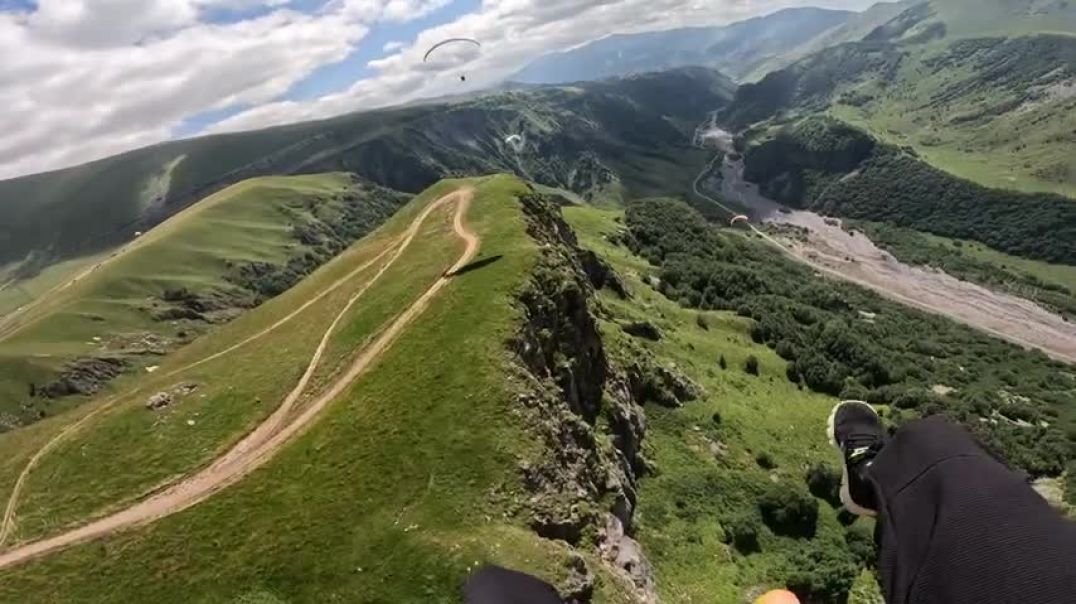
pixel 681 509
pixel 1003 151
pixel 242 223
pixel 978 18
pixel 984 88
pixel 18 293
pixel 1009 150
pixel 232 396
pixel 391 496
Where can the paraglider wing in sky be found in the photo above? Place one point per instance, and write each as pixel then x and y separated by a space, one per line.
pixel 514 141
pixel 737 219
pixel 443 43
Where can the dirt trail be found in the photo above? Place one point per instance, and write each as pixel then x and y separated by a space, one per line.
pixel 831 250
pixel 8 523
pixel 260 445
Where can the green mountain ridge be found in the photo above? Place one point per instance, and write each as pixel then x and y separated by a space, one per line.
pixel 196 271
pixel 572 133
pixel 992 104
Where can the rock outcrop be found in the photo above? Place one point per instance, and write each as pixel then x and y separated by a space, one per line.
pixel 84 376
pixel 587 471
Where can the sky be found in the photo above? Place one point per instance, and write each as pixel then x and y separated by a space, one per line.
pixel 85 79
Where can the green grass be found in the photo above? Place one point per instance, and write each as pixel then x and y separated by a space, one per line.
pixel 1061 274
pixel 236 391
pixel 246 222
pixel 16 294
pixel 682 508
pixel 402 485
pixel 1026 149
pixel 982 18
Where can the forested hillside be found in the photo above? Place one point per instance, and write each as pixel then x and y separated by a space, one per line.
pixel 830 167
pixel 999 111
pixel 844 341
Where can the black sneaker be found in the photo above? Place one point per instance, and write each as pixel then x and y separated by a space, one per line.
pixel 857 432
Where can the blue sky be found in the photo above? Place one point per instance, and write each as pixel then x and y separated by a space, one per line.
pixel 333 77
pixel 338 76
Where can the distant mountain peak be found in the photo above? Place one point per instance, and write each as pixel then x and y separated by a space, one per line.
pixel 734 49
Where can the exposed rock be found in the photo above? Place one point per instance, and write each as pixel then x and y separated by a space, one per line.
pixel 627 421
pixel 83 376
pixel 601 275
pixel 560 339
pixel 665 386
pixel 642 329
pixel 159 401
pixel 625 553
pixel 166 398
pixel 584 472
pixel 214 306
pixel 185 389
pixel 578 586
pixel 138 343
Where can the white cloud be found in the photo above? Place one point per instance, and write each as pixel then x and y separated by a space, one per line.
pixel 391 47
pixel 68 103
pixel 81 79
pixel 512 32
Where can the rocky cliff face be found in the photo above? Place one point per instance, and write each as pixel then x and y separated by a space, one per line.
pixel 582 406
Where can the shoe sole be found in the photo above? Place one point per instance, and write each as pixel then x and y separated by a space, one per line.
pixel 846 495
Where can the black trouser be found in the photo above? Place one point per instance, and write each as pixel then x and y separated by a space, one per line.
pixel 955 527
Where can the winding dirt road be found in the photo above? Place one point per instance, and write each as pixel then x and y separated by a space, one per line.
pixel 8 523
pixel 259 446
pixel 831 250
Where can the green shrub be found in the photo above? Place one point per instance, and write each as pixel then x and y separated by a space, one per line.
pixel 789 511
pixel 821 574
pixel 764 461
pixel 722 362
pixel 824 482
pixel 741 532
pixel 702 322
pixel 860 540
pixel 751 365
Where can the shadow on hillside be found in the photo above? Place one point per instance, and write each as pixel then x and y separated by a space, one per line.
pixel 477 264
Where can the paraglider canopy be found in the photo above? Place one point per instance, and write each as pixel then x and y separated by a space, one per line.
pixel 514 141
pixel 466 42
pixel 737 219
pixel 444 43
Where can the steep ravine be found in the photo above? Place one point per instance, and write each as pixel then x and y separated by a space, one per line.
pixel 583 406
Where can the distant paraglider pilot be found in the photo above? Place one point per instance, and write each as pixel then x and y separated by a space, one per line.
pixel 450 41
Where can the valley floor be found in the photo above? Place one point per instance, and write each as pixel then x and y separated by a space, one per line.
pixel 823 244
